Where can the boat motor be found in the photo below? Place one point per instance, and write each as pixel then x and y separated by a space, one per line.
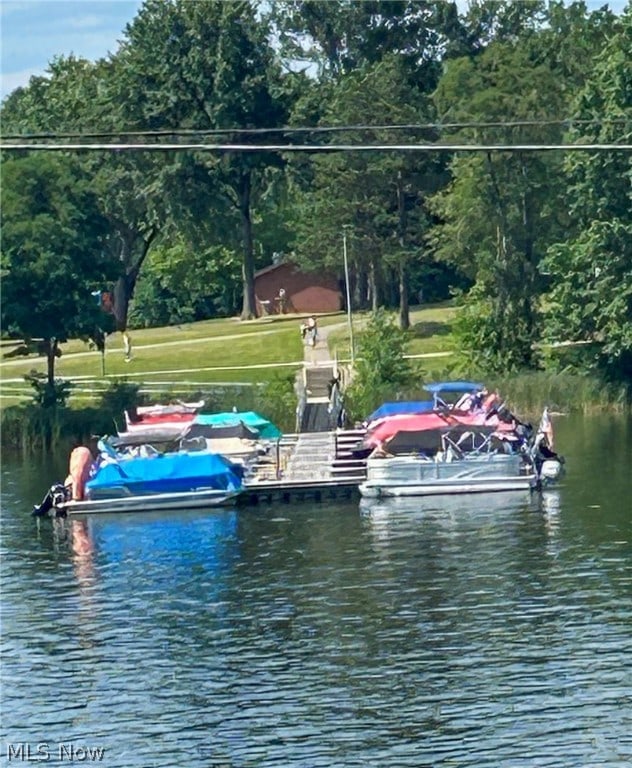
pixel 56 495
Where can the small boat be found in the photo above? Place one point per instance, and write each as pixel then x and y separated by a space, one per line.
pixel 200 498
pixel 237 441
pixel 250 419
pixel 458 408
pixel 145 480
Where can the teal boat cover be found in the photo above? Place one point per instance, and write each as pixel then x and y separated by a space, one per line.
pixel 164 473
pixel 264 427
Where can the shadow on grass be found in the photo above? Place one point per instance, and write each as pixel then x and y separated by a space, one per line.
pixel 430 328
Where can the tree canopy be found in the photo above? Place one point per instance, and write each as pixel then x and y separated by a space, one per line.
pixel 53 253
pixel 534 245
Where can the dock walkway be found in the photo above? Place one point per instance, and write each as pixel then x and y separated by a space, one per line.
pixel 316 462
pixel 308 466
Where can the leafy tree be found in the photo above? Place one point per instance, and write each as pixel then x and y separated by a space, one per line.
pixel 381 369
pixel 78 96
pixel 501 209
pixel 380 197
pixel 339 36
pixel 591 273
pixel 53 253
pixel 206 66
pixel 182 284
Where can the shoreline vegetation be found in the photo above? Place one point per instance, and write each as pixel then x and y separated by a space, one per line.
pixel 248 365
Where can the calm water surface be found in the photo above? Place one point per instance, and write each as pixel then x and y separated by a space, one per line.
pixel 487 632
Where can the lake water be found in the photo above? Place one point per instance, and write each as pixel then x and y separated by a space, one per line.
pixel 488 632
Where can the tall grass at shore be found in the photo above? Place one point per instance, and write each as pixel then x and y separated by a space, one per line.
pixel 529 393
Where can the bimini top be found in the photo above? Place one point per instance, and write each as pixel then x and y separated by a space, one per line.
pixel 404 406
pixel 453 386
pixel 265 428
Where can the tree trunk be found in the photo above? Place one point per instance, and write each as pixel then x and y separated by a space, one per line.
pixel 124 287
pixel 404 314
pixel 51 353
pixel 122 295
pixel 249 309
pixel 362 290
pixel 373 287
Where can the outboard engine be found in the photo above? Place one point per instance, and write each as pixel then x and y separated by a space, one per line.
pixel 55 496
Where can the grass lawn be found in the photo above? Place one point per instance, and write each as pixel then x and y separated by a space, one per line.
pixel 218 351
pixel 430 333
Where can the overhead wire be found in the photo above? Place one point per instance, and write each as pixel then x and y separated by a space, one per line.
pixel 321 129
pixel 315 148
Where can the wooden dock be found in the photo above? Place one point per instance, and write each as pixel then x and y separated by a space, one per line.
pixel 315 466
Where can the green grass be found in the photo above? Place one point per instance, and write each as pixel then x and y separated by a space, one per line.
pixel 216 351
pixel 209 352
pixel 185 358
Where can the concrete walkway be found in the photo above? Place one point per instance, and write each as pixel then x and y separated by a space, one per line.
pixel 319 353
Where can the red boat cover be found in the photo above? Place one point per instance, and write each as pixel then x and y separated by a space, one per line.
pixel 390 426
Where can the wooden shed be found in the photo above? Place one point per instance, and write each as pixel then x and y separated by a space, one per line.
pixel 283 288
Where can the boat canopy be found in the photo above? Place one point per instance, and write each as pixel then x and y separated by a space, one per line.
pixel 404 406
pixel 386 428
pixel 453 386
pixel 265 428
pixel 166 473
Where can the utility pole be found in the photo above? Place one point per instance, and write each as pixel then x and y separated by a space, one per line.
pixel 349 318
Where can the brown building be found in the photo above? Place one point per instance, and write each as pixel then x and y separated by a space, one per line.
pixel 282 288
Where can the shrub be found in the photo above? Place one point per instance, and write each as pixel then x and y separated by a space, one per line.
pixel 381 372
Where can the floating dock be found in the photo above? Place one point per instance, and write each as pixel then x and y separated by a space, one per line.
pixel 310 466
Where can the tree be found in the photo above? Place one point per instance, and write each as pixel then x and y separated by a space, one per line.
pixel 381 369
pixel 78 96
pixel 501 210
pixel 590 299
pixel 53 253
pixel 381 197
pixel 207 66
pixel 339 36
pixel 182 284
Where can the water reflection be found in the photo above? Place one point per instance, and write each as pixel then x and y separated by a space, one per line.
pixel 446 515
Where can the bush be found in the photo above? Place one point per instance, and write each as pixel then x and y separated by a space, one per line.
pixel 382 373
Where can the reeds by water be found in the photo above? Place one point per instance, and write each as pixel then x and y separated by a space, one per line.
pixel 529 393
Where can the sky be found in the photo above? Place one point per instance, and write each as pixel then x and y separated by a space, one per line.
pixel 32 32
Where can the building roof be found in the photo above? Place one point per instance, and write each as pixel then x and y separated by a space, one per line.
pixel 272 267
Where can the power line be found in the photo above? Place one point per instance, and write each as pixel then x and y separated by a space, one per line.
pixel 568 122
pixel 315 148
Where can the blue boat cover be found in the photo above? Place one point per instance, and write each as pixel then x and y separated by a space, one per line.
pixel 453 386
pixel 166 473
pixel 265 428
pixel 405 406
